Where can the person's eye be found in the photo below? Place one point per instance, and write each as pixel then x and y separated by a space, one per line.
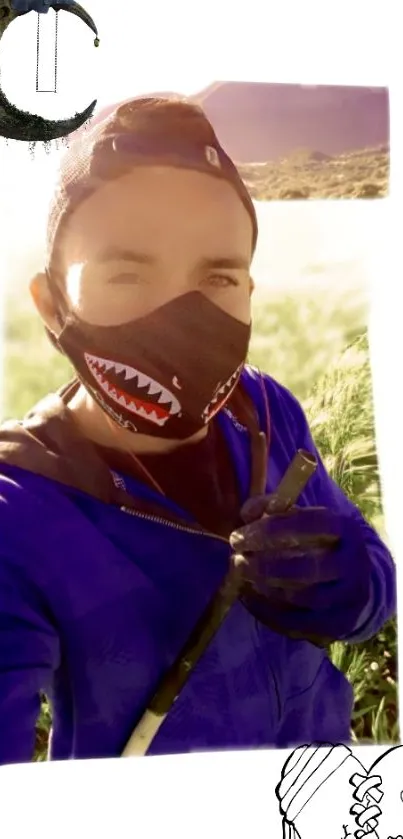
pixel 124 279
pixel 222 280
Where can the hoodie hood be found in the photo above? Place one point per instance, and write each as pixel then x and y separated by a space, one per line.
pixel 48 442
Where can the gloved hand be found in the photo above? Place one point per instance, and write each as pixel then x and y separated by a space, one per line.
pixel 307 571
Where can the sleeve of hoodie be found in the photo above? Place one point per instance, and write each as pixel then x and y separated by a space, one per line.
pixel 29 655
pixel 288 413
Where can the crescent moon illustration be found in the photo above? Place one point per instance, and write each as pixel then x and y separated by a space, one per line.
pixel 16 124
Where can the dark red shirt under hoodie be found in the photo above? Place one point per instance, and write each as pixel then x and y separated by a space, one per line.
pixel 200 478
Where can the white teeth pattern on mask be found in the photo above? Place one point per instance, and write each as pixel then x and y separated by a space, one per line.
pixel 129 405
pixel 164 398
pixel 142 380
pixel 98 365
pixel 153 389
pixel 224 389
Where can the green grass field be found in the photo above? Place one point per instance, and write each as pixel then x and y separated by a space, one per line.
pixel 316 345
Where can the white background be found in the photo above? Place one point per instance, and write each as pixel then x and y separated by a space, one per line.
pixel 184 46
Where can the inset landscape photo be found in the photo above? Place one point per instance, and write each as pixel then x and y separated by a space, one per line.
pixel 293 141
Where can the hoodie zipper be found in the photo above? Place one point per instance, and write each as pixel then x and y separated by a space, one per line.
pixel 174 525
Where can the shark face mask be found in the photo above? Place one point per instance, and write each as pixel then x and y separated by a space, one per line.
pixel 165 374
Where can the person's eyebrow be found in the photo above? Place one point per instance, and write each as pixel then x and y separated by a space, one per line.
pixel 229 262
pixel 115 253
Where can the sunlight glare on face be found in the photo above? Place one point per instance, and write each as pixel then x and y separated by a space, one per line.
pixel 73 283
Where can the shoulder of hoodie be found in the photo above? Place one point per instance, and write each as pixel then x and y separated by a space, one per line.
pixel 30 503
pixel 30 507
pixel 30 517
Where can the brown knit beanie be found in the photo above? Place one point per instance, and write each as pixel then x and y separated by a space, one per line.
pixel 145 131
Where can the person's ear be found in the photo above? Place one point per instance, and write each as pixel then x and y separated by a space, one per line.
pixel 251 286
pixel 44 302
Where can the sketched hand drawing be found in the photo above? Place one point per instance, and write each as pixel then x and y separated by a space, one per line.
pixel 325 790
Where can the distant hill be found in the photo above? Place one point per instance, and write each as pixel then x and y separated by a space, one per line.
pixel 306 157
pixel 258 122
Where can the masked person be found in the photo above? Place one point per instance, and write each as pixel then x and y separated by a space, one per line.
pixel 119 494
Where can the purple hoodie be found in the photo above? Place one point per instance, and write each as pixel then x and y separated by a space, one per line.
pixel 102 580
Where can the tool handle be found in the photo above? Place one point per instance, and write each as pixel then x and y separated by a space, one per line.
pixel 178 674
